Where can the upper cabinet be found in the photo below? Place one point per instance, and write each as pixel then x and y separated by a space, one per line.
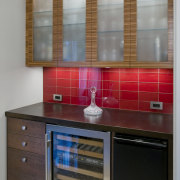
pixel 152 33
pixel 74 37
pixel 40 33
pixel 99 33
pixel 111 33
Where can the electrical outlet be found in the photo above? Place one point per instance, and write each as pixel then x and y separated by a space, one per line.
pixel 156 105
pixel 57 97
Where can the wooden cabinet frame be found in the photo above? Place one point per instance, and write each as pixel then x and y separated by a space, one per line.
pixel 127 41
pixel 29 37
pixel 133 62
pixel 130 35
pixel 59 37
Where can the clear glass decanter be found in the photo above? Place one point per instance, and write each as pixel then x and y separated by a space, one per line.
pixel 93 109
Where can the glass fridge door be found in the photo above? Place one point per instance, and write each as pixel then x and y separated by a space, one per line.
pixel 78 154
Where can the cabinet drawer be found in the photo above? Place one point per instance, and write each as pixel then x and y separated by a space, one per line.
pixel 25 166
pixel 25 127
pixel 26 143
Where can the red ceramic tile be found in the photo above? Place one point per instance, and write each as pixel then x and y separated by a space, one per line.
pixel 148 87
pixel 78 92
pixel 95 74
pixel 129 86
pixel 113 85
pixel 64 91
pixel 148 77
pixel 110 102
pixel 166 88
pixel 63 82
pixel 128 105
pixel 49 90
pixel 144 106
pixel 66 100
pixel 97 84
pixel 166 78
pixel 127 95
pixel 110 93
pixel 166 98
pixel 129 70
pixel 75 83
pixel 63 74
pixel 167 108
pixel 128 76
pixel 166 71
pixel 83 84
pixel 49 73
pixel 110 69
pixel 147 96
pixel 63 69
pixel 79 100
pixel 49 82
pixel 110 76
pixel 48 97
pixel 144 70
pixel 74 74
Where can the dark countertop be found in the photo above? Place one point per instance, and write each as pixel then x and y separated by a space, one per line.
pixel 129 122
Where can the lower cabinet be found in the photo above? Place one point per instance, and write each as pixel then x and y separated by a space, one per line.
pixel 23 165
pixel 78 154
pixel 26 150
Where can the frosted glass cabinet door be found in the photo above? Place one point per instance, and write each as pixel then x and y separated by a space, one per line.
pixel 42 30
pixel 110 30
pixel 74 30
pixel 152 30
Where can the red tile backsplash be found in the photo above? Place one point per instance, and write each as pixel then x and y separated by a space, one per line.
pixel 130 89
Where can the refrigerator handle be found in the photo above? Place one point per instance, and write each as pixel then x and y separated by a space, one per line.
pixel 48 160
pixel 141 142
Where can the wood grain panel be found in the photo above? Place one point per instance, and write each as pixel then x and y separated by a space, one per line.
pixel 127 31
pixel 35 145
pixel 34 129
pixel 144 64
pixel 32 169
pixel 59 37
pixel 29 38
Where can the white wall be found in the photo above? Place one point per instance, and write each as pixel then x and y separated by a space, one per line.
pixel 177 94
pixel 19 85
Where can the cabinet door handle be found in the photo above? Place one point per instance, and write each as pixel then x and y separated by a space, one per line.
pixel 24 160
pixel 48 156
pixel 24 144
pixel 24 128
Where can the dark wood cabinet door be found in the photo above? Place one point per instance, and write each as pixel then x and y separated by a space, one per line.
pixel 25 165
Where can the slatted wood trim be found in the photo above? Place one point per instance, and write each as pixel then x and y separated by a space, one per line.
pixel 95 61
pixel 62 177
pixel 81 171
pixel 144 64
pixel 87 62
pixel 170 31
pixel 79 151
pixel 29 32
pixel 80 141
pixel 29 38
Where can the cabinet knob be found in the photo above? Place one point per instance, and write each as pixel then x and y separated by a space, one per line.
pixel 23 128
pixel 24 144
pixel 24 160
